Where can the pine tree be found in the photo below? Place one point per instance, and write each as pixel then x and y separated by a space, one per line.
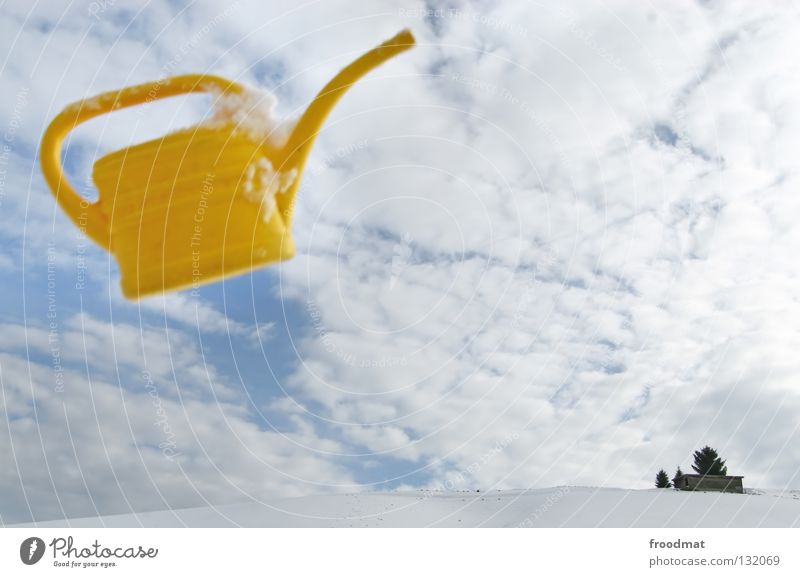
pixel 662 480
pixel 707 462
pixel 678 475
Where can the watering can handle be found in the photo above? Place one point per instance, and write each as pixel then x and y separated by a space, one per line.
pixel 88 216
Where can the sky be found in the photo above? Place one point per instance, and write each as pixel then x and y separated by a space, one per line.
pixel 553 244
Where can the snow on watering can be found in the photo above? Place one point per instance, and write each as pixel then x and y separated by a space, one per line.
pixel 202 203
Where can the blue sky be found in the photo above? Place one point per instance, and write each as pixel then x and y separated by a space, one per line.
pixel 547 246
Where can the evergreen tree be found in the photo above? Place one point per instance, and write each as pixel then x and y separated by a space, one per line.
pixel 662 480
pixel 678 475
pixel 707 462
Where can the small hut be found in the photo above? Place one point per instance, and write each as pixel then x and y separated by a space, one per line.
pixel 721 483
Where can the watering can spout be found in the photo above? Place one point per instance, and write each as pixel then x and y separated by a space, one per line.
pixel 308 126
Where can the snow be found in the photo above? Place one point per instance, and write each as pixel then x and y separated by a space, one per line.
pixel 554 507
pixel 251 111
pixel 95 103
pixel 262 183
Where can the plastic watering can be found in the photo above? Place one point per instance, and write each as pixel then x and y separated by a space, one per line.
pixel 202 203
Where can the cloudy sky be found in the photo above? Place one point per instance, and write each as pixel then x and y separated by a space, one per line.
pixel 550 245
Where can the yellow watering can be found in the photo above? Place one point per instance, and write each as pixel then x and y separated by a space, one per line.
pixel 202 203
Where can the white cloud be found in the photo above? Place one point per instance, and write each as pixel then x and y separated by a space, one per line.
pixel 196 313
pixel 584 294
pixel 136 436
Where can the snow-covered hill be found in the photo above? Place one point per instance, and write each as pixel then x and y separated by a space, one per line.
pixel 555 507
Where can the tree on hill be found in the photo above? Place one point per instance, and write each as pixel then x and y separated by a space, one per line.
pixel 707 462
pixel 662 480
pixel 678 475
